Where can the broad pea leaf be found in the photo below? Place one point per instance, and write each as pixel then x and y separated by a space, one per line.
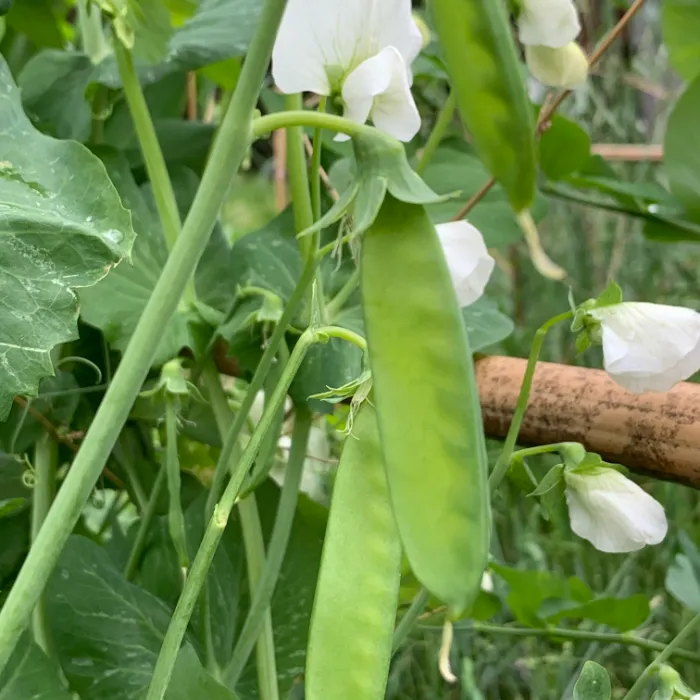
pixel 563 148
pixel 485 324
pixel 682 149
pixel 115 304
pixel 11 484
pixel 14 535
pixel 107 631
pixel 40 21
pixel 63 227
pixel 683 582
pixel 593 683
pixel 30 674
pixel 453 168
pixel 619 613
pixel 190 680
pixel 681 28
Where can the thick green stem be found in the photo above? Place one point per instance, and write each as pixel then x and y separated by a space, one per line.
pixel 408 621
pixel 499 471
pixel 45 463
pixel 252 538
pixel 254 544
pixel 148 140
pixel 316 166
pixel 278 546
pixel 556 633
pixel 144 526
pixel 670 649
pixel 225 160
pixel 217 524
pixel 300 192
pixel 261 372
pixel 262 126
pixel 438 132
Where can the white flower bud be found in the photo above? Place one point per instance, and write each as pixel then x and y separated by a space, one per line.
pixel 649 347
pixel 552 23
pixel 612 512
pixel 565 67
pixel 468 259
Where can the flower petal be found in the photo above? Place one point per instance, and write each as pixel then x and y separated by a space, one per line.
pixel 468 259
pixel 612 512
pixel 552 23
pixel 320 41
pixel 379 87
pixel 649 347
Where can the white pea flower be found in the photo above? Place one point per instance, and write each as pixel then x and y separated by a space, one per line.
pixel 487 582
pixel 552 23
pixel 565 67
pixel 468 259
pixel 649 347
pixel 361 49
pixel 612 512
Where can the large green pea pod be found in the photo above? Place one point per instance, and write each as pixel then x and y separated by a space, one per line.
pixel 427 403
pixel 358 587
pixel 477 45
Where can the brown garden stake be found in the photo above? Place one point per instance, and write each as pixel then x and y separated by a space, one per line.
pixel 653 434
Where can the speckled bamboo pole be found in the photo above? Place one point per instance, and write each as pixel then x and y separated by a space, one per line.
pixel 654 434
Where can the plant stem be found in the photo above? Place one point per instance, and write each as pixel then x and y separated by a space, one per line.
pixel 225 160
pixel 92 36
pixel 252 539
pixel 316 166
pixel 499 471
pixel 148 140
pixel 555 633
pixel 256 383
pixel 279 540
pixel 336 304
pixel 132 476
pixel 301 197
pixel 672 648
pixel 144 526
pixel 176 518
pixel 254 545
pixel 438 132
pixel 217 524
pixel 403 629
pixel 533 451
pixel 45 463
pixel 262 126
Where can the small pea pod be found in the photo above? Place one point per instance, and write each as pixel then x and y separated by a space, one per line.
pixel 427 403
pixel 476 41
pixel 357 592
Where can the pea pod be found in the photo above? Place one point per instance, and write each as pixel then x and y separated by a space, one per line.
pixel 357 592
pixel 427 403
pixel 476 41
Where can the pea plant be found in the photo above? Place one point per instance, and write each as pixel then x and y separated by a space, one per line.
pixel 252 463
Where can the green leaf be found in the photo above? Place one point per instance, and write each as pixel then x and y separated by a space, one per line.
pixel 529 590
pixel 564 148
pixel 453 168
pixel 683 583
pixel 619 613
pixel 485 324
pixel 63 227
pixel 682 149
pixel 190 680
pixel 593 683
pixel 553 479
pixel 107 631
pixel 610 296
pixel 681 28
pixel 39 21
pixel 115 304
pixel 30 674
pixel 54 85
